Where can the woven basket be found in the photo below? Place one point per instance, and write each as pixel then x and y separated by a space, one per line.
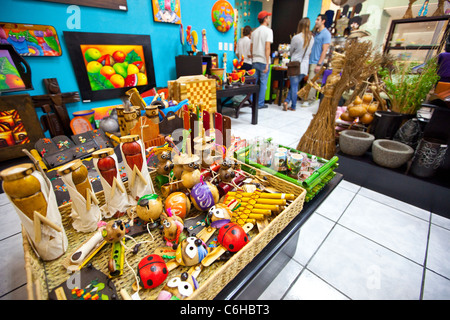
pixel 44 276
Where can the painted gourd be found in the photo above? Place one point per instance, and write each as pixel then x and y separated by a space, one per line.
pixel 191 251
pixel 232 237
pixel 204 195
pixel 179 204
pixel 218 215
pixel 24 189
pixel 152 271
pixel 149 207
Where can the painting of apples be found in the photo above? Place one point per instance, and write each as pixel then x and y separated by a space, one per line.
pixel 114 66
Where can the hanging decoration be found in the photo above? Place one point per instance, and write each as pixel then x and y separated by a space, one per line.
pixel 222 14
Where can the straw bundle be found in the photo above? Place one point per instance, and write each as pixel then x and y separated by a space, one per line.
pixel 356 65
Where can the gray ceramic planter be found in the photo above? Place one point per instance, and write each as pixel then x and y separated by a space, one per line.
pixel 391 154
pixel 355 143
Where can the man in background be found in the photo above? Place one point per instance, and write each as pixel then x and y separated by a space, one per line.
pixel 322 40
pixel 262 38
pixel 243 48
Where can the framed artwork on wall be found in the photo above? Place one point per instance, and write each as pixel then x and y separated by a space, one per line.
pixel 167 11
pixel 107 65
pixel 31 40
pixel 15 73
pixel 107 4
pixel 19 126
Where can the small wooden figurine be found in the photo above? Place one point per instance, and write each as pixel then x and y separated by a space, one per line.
pixel 86 212
pixel 172 227
pixel 34 200
pixel 133 153
pixel 182 286
pixel 226 171
pixel 165 165
pixel 116 197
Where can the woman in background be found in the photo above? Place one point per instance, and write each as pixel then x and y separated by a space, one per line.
pixel 301 45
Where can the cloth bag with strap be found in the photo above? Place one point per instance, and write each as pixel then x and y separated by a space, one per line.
pixel 293 67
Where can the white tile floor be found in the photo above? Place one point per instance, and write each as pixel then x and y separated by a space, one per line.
pixel 359 244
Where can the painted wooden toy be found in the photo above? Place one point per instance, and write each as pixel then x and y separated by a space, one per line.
pixel 226 171
pixel 114 231
pixel 191 174
pixel 116 197
pixel 149 208
pixel 85 210
pixel 179 204
pixel 133 153
pixel 165 165
pixel 204 195
pixel 172 227
pixel 182 286
pixel 191 251
pixel 219 215
pixel 33 197
pixel 232 237
pixel 152 271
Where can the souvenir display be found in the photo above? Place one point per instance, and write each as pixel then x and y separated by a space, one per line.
pixel 85 205
pixel 116 197
pixel 34 200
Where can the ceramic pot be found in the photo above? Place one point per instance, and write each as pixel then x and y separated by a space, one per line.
pixel 391 154
pixel 429 156
pixel 355 143
pixel 385 124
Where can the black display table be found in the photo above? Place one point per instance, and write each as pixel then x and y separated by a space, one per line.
pixel 251 282
pixel 236 90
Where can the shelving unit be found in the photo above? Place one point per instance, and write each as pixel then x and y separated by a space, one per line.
pixel 421 37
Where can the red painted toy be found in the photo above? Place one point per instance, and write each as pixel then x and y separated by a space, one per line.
pixel 152 271
pixel 232 237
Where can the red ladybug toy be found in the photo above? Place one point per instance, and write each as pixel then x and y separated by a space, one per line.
pixel 152 271
pixel 233 237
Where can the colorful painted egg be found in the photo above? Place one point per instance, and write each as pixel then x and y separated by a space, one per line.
pixel 232 237
pixel 152 271
pixel 204 195
pixel 179 204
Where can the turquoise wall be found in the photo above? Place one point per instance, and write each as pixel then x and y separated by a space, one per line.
pixel 314 8
pixel 138 19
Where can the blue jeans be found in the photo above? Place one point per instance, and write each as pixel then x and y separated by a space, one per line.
pixel 292 94
pixel 259 74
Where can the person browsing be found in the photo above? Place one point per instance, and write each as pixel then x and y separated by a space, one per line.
pixel 300 50
pixel 322 41
pixel 262 38
pixel 243 48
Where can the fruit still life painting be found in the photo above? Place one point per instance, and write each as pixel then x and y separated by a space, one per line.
pixel 114 66
pixel 9 75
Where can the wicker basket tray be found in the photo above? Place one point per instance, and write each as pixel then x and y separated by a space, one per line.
pixel 44 276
